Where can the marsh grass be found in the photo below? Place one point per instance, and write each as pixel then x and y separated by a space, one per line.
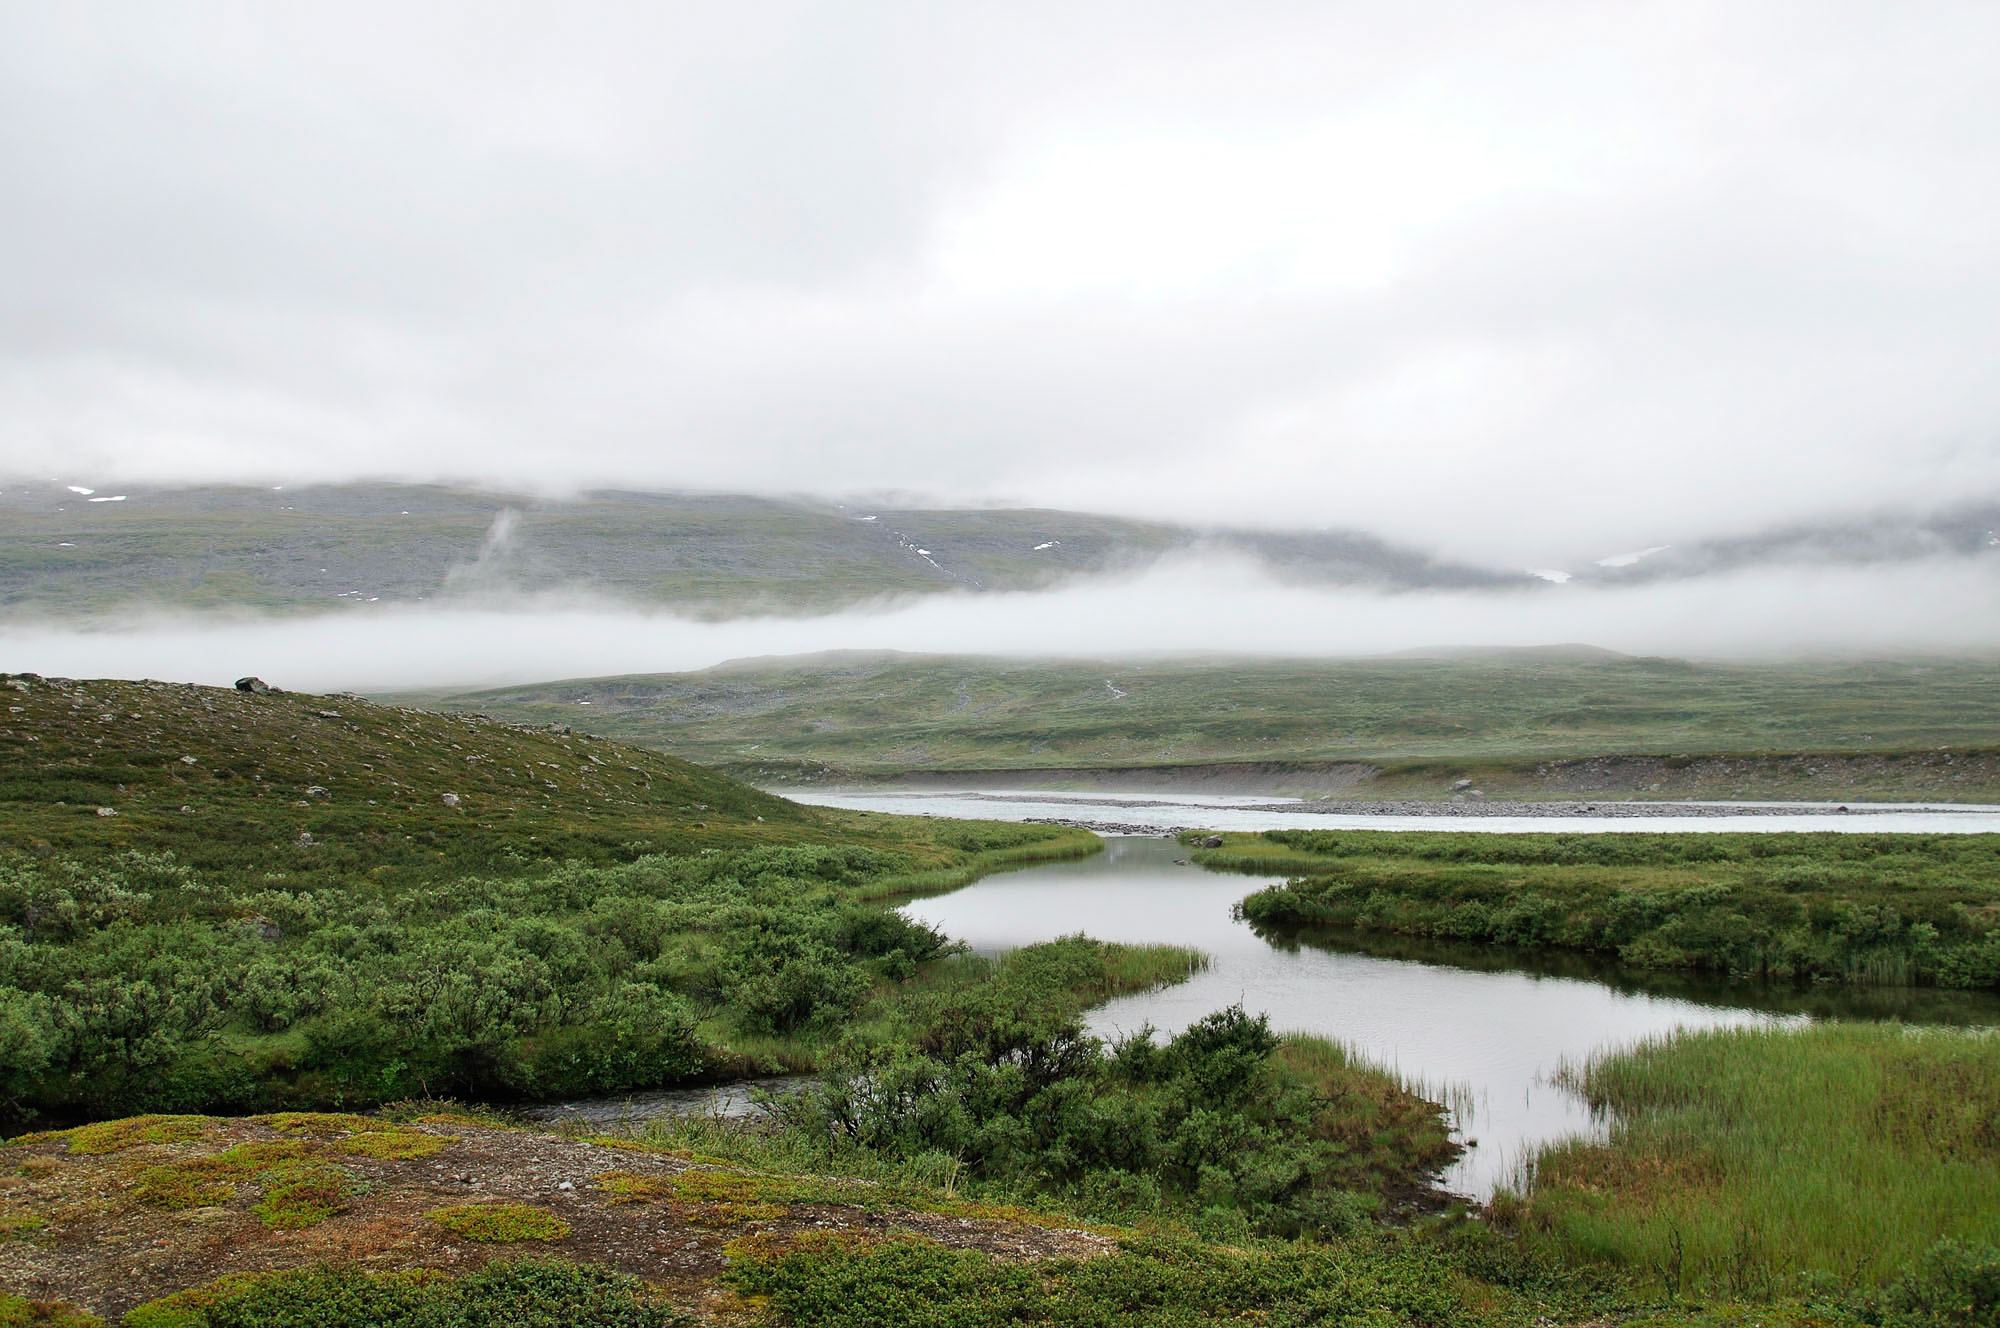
pixel 1882 910
pixel 1740 1160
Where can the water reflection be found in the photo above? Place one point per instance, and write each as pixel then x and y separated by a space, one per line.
pixel 1478 1028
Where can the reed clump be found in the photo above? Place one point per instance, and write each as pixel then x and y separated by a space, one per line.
pixel 1751 1162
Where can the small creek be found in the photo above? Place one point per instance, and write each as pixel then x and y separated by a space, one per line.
pixel 1478 1028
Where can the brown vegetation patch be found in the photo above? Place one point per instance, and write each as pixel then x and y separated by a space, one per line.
pixel 107 1243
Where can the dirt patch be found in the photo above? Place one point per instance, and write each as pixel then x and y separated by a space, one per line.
pixel 104 1245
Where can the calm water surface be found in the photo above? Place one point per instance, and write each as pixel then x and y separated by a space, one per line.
pixel 1483 1039
pixel 1478 1027
pixel 1228 812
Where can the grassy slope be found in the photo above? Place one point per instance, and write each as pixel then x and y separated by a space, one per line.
pixel 212 774
pixel 369 784
pixel 354 857
pixel 1508 720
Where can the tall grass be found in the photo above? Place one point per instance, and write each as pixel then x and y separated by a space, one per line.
pixel 1738 1159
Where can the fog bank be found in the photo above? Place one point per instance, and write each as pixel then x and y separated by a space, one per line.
pixel 1178 607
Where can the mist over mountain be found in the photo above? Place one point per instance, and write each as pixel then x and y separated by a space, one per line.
pixel 74 549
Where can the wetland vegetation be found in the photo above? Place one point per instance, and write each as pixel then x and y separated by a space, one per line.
pixel 1743 1162
pixel 1862 909
pixel 224 903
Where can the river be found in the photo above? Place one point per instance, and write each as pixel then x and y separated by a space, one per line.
pixel 1478 1028
pixel 1207 811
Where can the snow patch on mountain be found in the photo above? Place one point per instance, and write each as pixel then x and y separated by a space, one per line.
pixel 1627 559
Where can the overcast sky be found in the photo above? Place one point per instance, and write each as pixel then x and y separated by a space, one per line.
pixel 1507 279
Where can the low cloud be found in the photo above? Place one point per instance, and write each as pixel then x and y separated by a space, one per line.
pixel 1532 279
pixel 1178 607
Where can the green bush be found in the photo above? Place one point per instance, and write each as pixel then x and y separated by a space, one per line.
pixel 1955 1284
pixel 526 1293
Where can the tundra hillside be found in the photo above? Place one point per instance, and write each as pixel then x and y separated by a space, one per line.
pixel 213 899
pixel 228 902
pixel 1560 722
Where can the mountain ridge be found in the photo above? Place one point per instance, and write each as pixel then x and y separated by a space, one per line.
pixel 68 551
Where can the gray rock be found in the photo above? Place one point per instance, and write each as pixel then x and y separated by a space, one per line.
pixel 107 811
pixel 256 685
pixel 451 800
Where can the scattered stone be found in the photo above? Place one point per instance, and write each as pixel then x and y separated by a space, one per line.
pixel 187 760
pixel 305 839
pixel 316 791
pixel 451 800
pixel 107 811
pixel 327 714
pixel 1462 785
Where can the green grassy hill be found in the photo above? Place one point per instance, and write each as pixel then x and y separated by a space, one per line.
pixel 1520 723
pixel 211 773
pixel 214 899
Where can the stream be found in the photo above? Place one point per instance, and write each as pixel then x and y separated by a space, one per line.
pixel 1478 1028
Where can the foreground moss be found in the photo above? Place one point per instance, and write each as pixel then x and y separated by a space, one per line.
pixel 501 1222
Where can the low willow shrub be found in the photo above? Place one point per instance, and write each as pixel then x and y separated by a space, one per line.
pixel 1910 910
pixel 527 1293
